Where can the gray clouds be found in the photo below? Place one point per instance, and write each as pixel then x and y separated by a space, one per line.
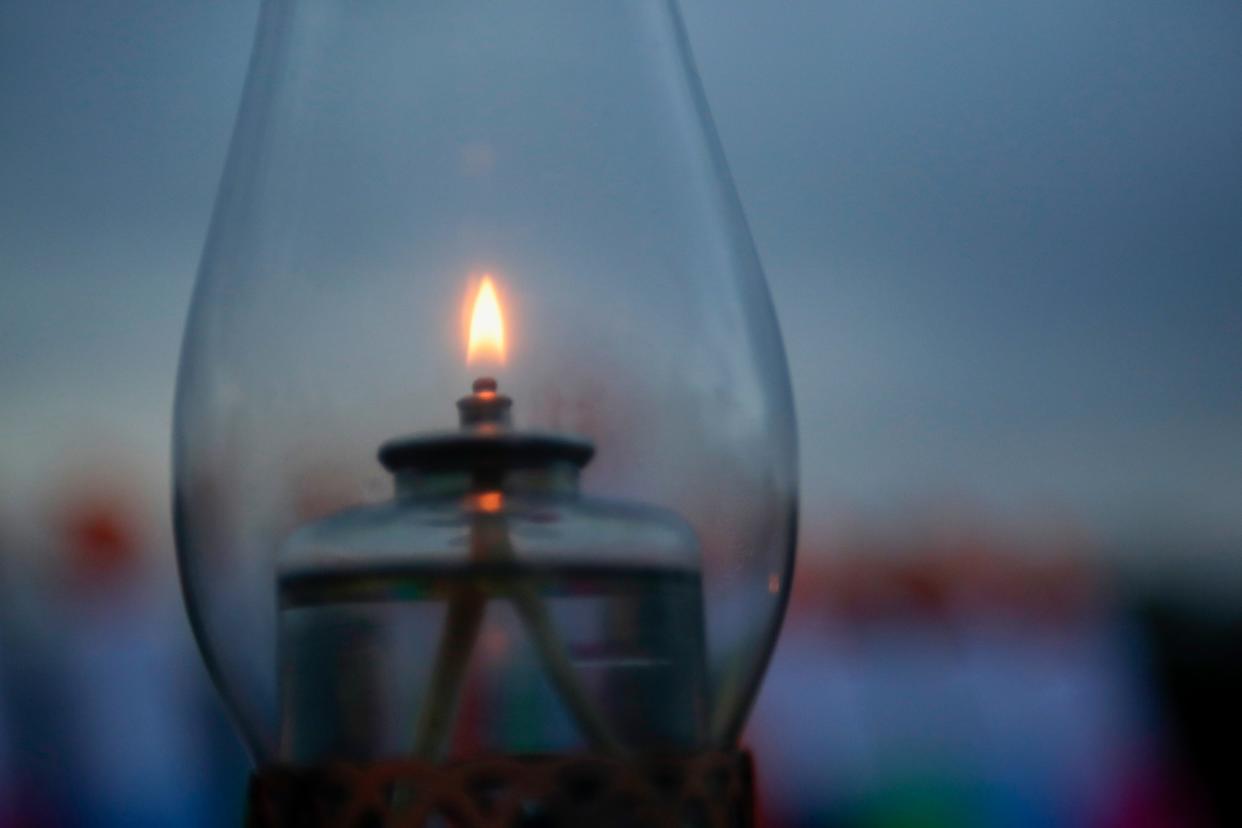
pixel 1005 240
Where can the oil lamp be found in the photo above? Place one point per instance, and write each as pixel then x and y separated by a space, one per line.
pixel 556 604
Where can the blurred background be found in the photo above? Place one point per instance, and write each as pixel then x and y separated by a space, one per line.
pixel 1005 244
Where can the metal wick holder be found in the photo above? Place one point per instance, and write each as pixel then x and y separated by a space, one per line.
pixel 486 448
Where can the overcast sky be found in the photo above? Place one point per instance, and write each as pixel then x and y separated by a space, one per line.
pixel 1004 239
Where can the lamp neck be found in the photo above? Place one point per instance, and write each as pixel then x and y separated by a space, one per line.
pixel 555 480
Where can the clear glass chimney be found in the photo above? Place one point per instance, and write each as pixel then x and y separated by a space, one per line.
pixel 603 566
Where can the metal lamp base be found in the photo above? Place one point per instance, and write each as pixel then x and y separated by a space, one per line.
pixel 705 790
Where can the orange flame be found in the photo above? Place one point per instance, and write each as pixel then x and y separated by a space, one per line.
pixel 487 327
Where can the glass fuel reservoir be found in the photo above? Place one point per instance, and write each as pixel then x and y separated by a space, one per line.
pixel 490 607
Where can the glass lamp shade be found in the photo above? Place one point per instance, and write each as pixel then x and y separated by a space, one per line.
pixel 604 564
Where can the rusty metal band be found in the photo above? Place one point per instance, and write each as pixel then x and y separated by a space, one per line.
pixel 704 790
